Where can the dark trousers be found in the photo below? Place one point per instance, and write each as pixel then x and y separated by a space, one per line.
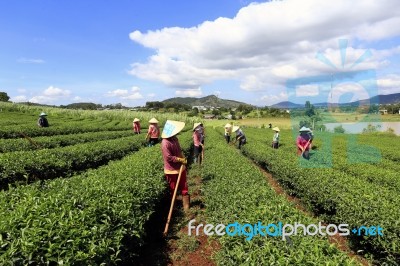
pixel 197 151
pixel 242 141
pixel 275 145
pixel 227 138
pixel 153 141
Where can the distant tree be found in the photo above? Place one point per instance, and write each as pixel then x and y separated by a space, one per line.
pixel 216 112
pixel 310 110
pixel 4 97
pixel 305 123
pixel 155 105
pixel 84 106
pixel 339 129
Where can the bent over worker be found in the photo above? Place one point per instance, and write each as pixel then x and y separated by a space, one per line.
pixel 42 121
pixel 136 126
pixel 227 133
pixel 240 136
pixel 173 159
pixel 153 132
pixel 303 143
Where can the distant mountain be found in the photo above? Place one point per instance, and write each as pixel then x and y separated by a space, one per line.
pixel 210 100
pixel 379 99
pixel 386 99
pixel 287 105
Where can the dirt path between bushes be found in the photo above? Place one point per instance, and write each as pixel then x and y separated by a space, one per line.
pixel 339 241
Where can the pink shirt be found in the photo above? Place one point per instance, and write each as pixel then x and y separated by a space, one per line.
pixel 302 141
pixel 136 127
pixel 196 138
pixel 171 150
pixel 153 131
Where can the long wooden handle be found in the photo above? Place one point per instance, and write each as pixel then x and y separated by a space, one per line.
pixel 30 140
pixel 173 200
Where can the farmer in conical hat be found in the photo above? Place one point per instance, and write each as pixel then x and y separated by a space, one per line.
pixel 136 126
pixel 303 143
pixel 173 159
pixel 228 132
pixel 153 132
pixel 275 138
pixel 240 137
pixel 42 121
pixel 197 142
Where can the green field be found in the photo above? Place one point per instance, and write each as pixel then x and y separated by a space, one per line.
pixel 86 191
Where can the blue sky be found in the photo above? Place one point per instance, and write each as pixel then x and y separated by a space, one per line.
pixel 130 52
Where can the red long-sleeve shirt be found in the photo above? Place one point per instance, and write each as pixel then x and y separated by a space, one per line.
pixel 196 138
pixel 153 131
pixel 136 127
pixel 171 151
pixel 302 141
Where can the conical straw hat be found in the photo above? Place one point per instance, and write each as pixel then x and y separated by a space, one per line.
pixel 196 125
pixel 171 128
pixel 228 125
pixel 235 128
pixel 276 129
pixel 136 120
pixel 304 129
pixel 153 121
pixel 43 114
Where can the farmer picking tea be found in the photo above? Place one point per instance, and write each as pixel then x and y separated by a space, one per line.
pixel 153 132
pixel 136 126
pixel 303 143
pixel 275 138
pixel 174 159
pixel 228 132
pixel 197 142
pixel 240 136
pixel 42 121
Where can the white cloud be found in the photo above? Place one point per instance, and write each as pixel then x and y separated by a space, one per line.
pixel 19 98
pixel 266 44
pixel 274 98
pixel 51 95
pixel 77 99
pixel 30 61
pixel 151 95
pixel 53 92
pixel 307 90
pixel 117 93
pixel 357 91
pixel 133 94
pixel 389 84
pixel 189 92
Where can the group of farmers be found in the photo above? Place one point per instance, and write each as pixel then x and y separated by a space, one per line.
pixel 175 161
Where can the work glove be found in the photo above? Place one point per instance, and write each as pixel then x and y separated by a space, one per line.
pixel 182 160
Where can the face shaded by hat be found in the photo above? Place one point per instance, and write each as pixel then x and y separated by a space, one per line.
pixel 196 125
pixel 171 128
pixel 153 121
